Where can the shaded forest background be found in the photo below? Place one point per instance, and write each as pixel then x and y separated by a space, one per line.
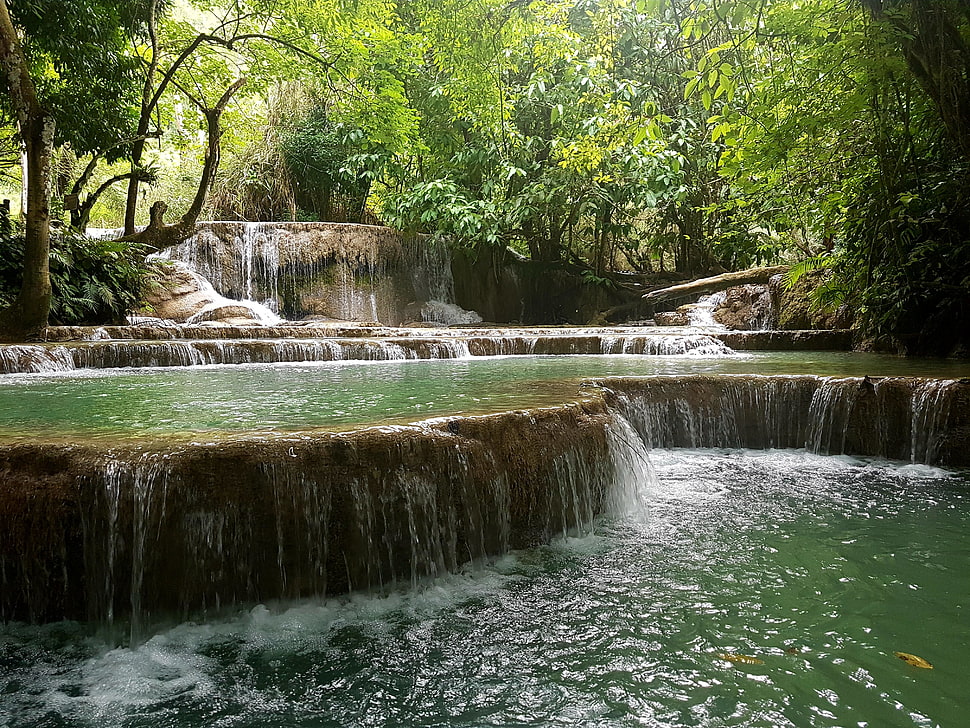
pixel 613 137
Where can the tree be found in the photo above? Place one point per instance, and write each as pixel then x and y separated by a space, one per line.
pixel 27 316
pixel 532 138
pixel 845 131
pixel 212 59
pixel 59 64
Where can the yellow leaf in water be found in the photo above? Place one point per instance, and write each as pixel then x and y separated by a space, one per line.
pixel 914 660
pixel 743 659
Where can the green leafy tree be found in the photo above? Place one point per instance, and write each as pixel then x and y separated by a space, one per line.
pixel 48 83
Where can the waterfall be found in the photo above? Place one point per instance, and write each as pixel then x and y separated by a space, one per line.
pixel 829 416
pixel 100 353
pixel 135 534
pixel 701 314
pixel 34 359
pixel 898 418
pixel 336 270
pixel 164 534
pixel 729 412
pixel 931 408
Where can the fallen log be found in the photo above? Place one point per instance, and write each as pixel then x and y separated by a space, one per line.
pixel 714 283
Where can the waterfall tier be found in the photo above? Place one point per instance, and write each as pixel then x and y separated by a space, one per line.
pixel 139 346
pixel 341 271
pixel 902 418
pixel 142 532
pixel 95 534
pixel 101 354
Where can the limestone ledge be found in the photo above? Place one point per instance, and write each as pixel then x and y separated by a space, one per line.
pixel 835 339
pixel 148 532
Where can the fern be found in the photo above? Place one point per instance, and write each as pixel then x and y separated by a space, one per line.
pixel 808 265
pixel 93 281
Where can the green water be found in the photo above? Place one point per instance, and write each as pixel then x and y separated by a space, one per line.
pixel 286 397
pixel 819 567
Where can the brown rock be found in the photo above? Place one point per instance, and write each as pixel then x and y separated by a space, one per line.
pixel 179 294
pixel 671 318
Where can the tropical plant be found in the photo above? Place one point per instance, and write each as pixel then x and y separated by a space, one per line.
pixel 93 281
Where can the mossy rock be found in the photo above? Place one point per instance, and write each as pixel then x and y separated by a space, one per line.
pixel 796 312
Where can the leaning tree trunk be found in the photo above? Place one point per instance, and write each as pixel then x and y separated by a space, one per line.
pixel 158 235
pixel 27 317
pixel 714 283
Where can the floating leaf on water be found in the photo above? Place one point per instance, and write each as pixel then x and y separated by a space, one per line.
pixel 742 659
pixel 914 660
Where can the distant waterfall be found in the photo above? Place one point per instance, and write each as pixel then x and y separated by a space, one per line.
pixel 336 270
pixel 266 349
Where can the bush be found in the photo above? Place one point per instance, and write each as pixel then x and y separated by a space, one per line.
pixel 93 281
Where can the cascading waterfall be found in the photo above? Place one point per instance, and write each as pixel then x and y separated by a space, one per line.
pixel 829 416
pixel 176 533
pixel 105 354
pixel 140 532
pixel 893 417
pixel 335 270
pixel 701 314
pixel 33 359
pixel 428 259
pixel 932 403
pixel 729 412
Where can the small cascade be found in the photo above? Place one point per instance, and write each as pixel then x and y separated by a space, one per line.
pixel 897 418
pixel 260 263
pixel 701 314
pixel 932 402
pixel 729 412
pixel 33 359
pixel 687 345
pixel 830 416
pixel 103 353
pixel 633 472
pixel 219 303
pixel 428 258
pixel 258 351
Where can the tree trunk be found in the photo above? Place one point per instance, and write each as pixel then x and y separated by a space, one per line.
pixel 158 235
pixel 27 317
pixel 930 38
pixel 715 283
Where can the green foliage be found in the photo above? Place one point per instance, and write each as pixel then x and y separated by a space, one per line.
pixel 83 70
pixel 602 134
pixel 93 281
pixel 331 165
pixel 834 140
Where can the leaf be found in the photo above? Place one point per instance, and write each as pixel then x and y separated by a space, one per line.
pixel 691 87
pixel 914 660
